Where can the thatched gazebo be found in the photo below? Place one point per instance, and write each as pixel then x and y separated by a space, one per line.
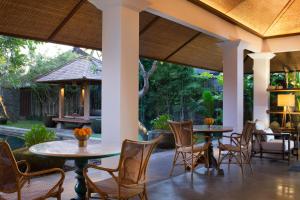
pixel 83 71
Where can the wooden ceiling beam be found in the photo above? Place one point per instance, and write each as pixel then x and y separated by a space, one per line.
pixel 283 10
pixel 155 19
pixel 183 45
pixel 66 19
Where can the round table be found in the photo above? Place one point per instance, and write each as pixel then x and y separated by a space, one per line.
pixel 208 131
pixel 69 149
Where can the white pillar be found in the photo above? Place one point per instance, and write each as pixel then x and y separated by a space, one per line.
pixel 86 101
pixel 120 46
pixel 261 79
pixel 233 89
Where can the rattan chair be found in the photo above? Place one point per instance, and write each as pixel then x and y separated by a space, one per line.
pixel 239 148
pixel 129 178
pixel 15 184
pixel 186 146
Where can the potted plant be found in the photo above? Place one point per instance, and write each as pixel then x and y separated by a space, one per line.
pixel 161 127
pixel 38 134
pixel 208 102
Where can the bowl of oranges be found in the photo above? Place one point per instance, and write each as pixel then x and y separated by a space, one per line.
pixel 82 135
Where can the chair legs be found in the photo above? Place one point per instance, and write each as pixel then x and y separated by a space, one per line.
pixel 174 162
pixel 189 160
pixel 241 159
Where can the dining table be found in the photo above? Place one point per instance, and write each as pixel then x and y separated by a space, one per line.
pixel 209 131
pixel 70 150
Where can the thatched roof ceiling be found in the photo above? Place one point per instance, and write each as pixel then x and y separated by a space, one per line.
pixel 80 70
pixel 269 18
pixel 78 23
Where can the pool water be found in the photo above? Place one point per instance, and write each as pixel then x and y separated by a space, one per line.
pixel 14 141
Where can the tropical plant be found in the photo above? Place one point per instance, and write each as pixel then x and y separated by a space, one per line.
pixel 38 134
pixel 208 102
pixel 161 122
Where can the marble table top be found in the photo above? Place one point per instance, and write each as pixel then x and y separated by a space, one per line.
pixel 211 129
pixel 69 149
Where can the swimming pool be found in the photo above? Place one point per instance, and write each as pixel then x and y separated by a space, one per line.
pixel 14 141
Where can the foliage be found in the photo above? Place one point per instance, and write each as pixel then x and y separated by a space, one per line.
pixel 176 90
pixel 248 97
pixel 161 122
pixel 42 65
pixel 38 134
pixel 28 124
pixel 208 101
pixel 15 55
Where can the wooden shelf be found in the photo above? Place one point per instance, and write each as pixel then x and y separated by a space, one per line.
pixel 281 112
pixel 284 90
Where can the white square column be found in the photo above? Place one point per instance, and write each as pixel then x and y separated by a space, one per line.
pixel 120 47
pixel 233 89
pixel 261 79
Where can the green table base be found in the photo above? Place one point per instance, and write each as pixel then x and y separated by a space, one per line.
pixel 80 187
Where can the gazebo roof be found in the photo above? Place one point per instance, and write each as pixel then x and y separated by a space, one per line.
pixel 80 70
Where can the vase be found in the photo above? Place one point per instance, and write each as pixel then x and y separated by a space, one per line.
pixel 82 140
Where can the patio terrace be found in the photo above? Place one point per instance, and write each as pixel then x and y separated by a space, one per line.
pixel 271 180
pixel 177 31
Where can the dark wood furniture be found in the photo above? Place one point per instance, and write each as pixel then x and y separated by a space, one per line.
pixel 282 145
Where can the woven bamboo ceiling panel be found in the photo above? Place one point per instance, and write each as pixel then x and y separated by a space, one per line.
pixel 266 19
pixel 78 23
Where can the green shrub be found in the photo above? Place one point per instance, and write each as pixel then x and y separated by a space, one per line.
pixel 161 122
pixel 38 134
pixel 96 125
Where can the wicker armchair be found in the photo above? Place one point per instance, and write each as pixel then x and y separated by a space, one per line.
pixel 15 184
pixel 239 148
pixel 129 178
pixel 185 145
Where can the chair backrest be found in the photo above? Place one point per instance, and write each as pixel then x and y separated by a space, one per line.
pixel 9 173
pixel 134 160
pixel 183 132
pixel 247 133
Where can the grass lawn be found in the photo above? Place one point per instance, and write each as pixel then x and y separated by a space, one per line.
pixel 24 123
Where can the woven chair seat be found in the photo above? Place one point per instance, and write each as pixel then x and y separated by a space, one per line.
pixel 230 147
pixel 110 187
pixel 36 190
pixel 197 148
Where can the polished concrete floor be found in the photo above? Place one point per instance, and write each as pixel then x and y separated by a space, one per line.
pixel 271 181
